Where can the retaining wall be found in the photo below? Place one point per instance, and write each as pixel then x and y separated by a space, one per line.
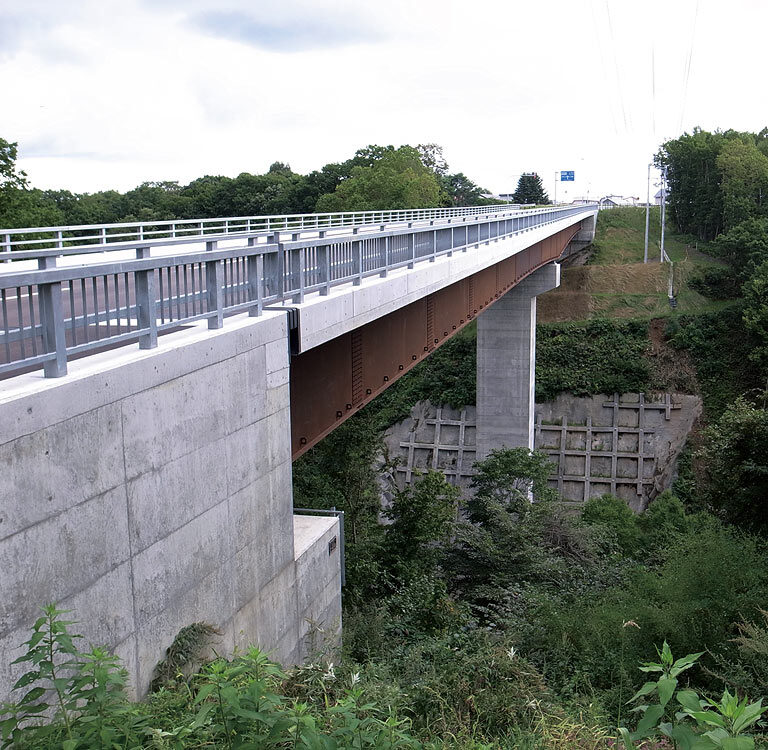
pixel 151 489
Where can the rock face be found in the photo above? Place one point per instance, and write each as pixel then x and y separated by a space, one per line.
pixel 623 444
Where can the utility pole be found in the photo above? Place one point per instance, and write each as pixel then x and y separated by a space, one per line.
pixel 556 174
pixel 647 215
pixel 663 208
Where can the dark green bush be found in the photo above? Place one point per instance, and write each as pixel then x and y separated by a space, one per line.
pixel 598 356
pixel 613 513
pixel 716 282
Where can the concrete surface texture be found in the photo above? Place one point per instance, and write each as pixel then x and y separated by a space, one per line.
pixel 151 489
pixel 623 444
pixel 506 364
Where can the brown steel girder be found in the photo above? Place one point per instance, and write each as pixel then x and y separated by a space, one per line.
pixel 332 381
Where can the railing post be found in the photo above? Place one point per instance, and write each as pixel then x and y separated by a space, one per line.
pixel 146 302
pixel 52 323
pixel 434 244
pixel 7 246
pixel 299 257
pixel 255 274
pixel 357 256
pixel 274 275
pixel 324 265
pixel 385 258
pixel 214 280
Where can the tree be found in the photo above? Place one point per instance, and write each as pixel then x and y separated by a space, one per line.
pixel 462 191
pixel 507 540
pixel 530 190
pixel 744 247
pixel 744 180
pixel 735 464
pixel 432 158
pixel 396 179
pixel 9 176
pixel 756 314
pixel 716 180
pixel 422 517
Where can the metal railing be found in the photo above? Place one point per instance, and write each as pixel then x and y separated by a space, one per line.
pixel 31 242
pixel 51 313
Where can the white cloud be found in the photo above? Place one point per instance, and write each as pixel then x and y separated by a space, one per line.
pixel 107 94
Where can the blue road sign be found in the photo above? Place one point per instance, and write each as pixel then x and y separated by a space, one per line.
pixel 567 176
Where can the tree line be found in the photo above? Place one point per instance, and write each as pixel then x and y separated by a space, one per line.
pixel 376 177
pixel 716 180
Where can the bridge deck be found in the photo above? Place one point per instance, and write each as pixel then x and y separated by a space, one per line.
pixel 69 291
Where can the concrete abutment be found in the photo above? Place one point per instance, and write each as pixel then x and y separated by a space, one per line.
pixel 159 496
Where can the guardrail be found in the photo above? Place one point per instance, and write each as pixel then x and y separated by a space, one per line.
pixel 16 244
pixel 53 312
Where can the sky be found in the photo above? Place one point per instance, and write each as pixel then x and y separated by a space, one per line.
pixel 107 94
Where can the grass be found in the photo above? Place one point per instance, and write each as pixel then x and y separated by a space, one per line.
pixel 616 283
pixel 620 239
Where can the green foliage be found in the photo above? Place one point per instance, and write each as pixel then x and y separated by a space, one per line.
pixel 229 704
pixel 530 189
pixel 719 347
pixel 507 541
pixel 640 536
pixel 89 707
pixel 599 356
pixel 375 177
pixel 10 177
pixel 756 314
pixel 734 460
pixel 716 724
pixel 462 191
pixel 716 282
pixel 504 480
pixel 616 515
pixel 746 668
pixel 690 593
pixel 456 687
pixel 744 180
pixel 398 179
pixel 422 517
pixel 744 247
pixel 339 472
pixel 187 651
pixel 716 179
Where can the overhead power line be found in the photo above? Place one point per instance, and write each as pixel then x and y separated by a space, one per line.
pixel 687 74
pixel 616 66
pixel 598 40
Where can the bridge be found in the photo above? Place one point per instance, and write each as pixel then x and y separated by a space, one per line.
pixel 158 379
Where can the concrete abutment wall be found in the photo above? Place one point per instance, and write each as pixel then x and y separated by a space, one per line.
pixel 151 489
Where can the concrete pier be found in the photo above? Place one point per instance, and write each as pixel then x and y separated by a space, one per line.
pixel 506 364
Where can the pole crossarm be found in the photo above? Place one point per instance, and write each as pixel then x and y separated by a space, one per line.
pixel 58 299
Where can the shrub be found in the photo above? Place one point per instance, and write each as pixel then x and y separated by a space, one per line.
pixel 734 459
pixel 613 513
pixel 599 356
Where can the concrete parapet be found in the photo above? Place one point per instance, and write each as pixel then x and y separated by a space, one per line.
pixel 152 489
